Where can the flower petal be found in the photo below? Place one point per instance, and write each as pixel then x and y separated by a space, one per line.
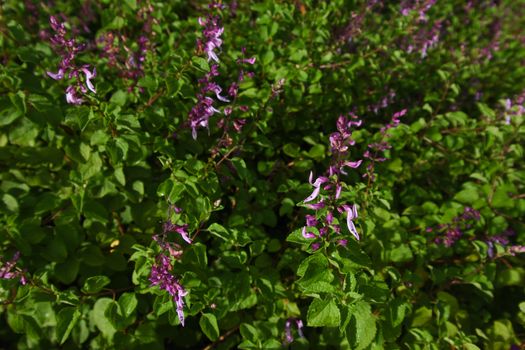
pixel 314 195
pixel 351 226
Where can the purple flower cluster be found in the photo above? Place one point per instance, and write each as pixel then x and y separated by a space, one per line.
pixel 350 31
pixel 170 226
pixel 340 143
pixel 68 49
pixel 288 337
pixel 200 114
pixel 116 48
pixel 514 107
pixel 452 232
pixel 161 276
pixel 494 45
pixel 211 33
pixel 9 270
pixel 422 7
pixel 375 150
pixel 33 13
pixel 425 39
pixel 228 122
pixel 503 240
pixel 383 103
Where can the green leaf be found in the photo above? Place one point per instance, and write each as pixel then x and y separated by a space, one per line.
pixel 67 271
pixel 421 316
pixel 219 231
pixel 292 150
pixel 315 275
pixel 394 317
pixel 138 186
pixel 467 196
pixel 119 175
pixel 201 63
pixel 511 277
pixel 362 328
pixel 209 327
pixel 67 319
pixel 10 202
pixel 323 313
pixel 128 303
pixel 501 197
pixel 99 319
pixel 249 332
pixel 19 101
pixel 95 284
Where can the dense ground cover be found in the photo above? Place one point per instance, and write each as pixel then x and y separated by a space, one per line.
pixel 262 174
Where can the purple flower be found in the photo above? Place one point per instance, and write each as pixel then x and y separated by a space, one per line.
pixel 180 229
pixel 9 270
pixel 351 214
pixel 306 234
pixel 58 75
pixel 311 220
pixel 89 76
pixel 68 49
pixel 72 96
pixel 329 217
pixel 247 60
pixel 288 337
pixel 316 206
pixel 299 324
pixel 233 89
pixel 317 187
pixel 200 114
pixel 316 246
pixel 212 34
pixel 288 332
pixel 161 276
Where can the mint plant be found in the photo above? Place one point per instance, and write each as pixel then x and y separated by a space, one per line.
pixel 256 175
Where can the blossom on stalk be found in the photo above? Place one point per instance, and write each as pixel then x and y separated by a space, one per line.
pixel 501 239
pixel 182 230
pixel 422 7
pixel 211 32
pixel 288 337
pixel 68 50
pixel 323 220
pixel 161 271
pixel 450 233
pixel 170 226
pixel 119 51
pixel 228 122
pixel 161 276
pixel 9 270
pixel 383 103
pixel 514 107
pixel 376 149
pixel 351 214
pixel 317 187
pixel 202 111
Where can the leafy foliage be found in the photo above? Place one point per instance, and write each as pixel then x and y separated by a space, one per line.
pixel 155 194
